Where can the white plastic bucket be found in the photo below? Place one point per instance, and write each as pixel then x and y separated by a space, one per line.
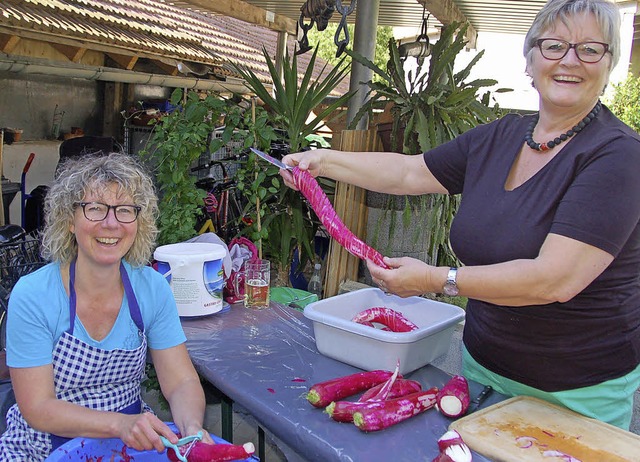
pixel 194 271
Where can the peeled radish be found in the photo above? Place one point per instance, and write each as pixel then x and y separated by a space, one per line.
pixel 203 452
pixel 452 448
pixel 453 398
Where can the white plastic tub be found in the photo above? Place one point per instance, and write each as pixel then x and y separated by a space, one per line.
pixel 368 348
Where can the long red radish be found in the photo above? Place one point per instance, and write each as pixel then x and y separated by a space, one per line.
pixel 342 411
pixel 321 394
pixel 393 319
pixel 395 410
pixel 453 398
pixel 321 205
pixel 452 448
pixel 203 452
pixel 400 387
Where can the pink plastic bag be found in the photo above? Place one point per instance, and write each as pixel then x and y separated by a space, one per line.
pixel 241 250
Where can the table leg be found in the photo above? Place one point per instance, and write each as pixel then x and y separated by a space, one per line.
pixel 261 445
pixel 226 409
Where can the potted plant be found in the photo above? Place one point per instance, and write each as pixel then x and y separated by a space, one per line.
pixel 287 223
pixel 428 109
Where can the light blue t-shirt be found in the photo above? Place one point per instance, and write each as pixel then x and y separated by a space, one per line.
pixel 39 314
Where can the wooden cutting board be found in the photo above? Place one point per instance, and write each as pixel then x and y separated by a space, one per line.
pixel 521 429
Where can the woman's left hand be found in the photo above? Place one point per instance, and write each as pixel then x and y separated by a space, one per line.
pixel 406 276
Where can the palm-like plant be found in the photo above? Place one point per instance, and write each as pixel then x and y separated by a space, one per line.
pixel 288 223
pixel 430 108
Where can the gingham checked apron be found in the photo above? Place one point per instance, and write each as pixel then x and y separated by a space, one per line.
pixel 107 380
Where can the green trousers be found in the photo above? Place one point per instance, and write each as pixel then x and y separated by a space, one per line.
pixel 610 401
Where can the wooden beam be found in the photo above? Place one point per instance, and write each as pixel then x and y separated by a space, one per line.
pixel 166 67
pixel 74 54
pixel 446 11
pixel 351 206
pixel 8 43
pixel 124 61
pixel 247 12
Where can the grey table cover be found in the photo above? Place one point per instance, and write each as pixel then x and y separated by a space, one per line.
pixel 266 361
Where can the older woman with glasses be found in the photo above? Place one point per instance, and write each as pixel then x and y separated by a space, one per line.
pixel 80 328
pixel 548 226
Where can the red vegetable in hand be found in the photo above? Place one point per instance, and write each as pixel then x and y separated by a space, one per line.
pixel 453 399
pixel 323 393
pixel 203 452
pixel 321 205
pixel 394 410
pixel 393 319
pixel 452 448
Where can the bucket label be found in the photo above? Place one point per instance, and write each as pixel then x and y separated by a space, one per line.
pixel 197 286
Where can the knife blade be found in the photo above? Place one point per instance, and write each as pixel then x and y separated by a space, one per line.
pixel 271 159
pixel 478 400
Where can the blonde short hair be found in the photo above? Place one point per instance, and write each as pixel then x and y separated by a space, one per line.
pixel 93 173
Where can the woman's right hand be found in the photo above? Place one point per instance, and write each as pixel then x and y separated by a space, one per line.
pixel 312 161
pixel 142 432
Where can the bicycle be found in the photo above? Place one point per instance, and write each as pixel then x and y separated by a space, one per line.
pixel 19 255
pixel 222 209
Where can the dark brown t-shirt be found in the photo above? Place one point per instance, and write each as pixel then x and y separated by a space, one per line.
pixel 589 192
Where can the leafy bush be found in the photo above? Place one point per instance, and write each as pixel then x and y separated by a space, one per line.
pixel 625 102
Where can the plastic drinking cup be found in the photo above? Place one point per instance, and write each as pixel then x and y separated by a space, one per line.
pixel 257 276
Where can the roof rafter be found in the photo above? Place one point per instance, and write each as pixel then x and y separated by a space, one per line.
pixel 246 12
pixel 446 11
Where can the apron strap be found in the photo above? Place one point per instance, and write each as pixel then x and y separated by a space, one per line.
pixel 134 308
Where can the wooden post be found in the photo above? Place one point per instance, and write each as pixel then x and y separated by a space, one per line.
pixel 2 223
pixel 350 205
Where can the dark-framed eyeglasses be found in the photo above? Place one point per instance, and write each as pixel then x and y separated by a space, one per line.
pixel 97 211
pixel 587 52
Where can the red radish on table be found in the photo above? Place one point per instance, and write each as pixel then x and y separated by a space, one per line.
pixel 203 452
pixel 323 393
pixel 453 448
pixel 312 191
pixel 342 411
pixel 394 410
pixel 391 318
pixel 399 388
pixel 453 398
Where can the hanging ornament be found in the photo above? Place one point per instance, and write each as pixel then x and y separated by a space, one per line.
pixel 420 48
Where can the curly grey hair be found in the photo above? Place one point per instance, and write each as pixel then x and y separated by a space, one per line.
pixel 93 173
pixel 606 13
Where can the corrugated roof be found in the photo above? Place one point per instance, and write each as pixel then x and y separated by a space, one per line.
pixel 152 29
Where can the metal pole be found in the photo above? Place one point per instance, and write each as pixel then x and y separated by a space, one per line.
pixel 364 43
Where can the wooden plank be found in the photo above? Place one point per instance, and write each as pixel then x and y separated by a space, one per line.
pixel 246 12
pixel 350 205
pixel 446 11
pixel 8 43
pixel 74 54
pixel 2 223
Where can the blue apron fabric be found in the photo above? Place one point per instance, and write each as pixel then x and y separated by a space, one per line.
pixel 107 380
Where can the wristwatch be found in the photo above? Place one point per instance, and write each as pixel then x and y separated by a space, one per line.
pixel 450 287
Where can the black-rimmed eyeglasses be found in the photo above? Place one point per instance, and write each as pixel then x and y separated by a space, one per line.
pixel 97 211
pixel 587 52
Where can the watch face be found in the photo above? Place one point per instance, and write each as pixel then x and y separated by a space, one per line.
pixel 451 290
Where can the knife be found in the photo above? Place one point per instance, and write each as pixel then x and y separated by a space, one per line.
pixel 273 160
pixel 478 400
